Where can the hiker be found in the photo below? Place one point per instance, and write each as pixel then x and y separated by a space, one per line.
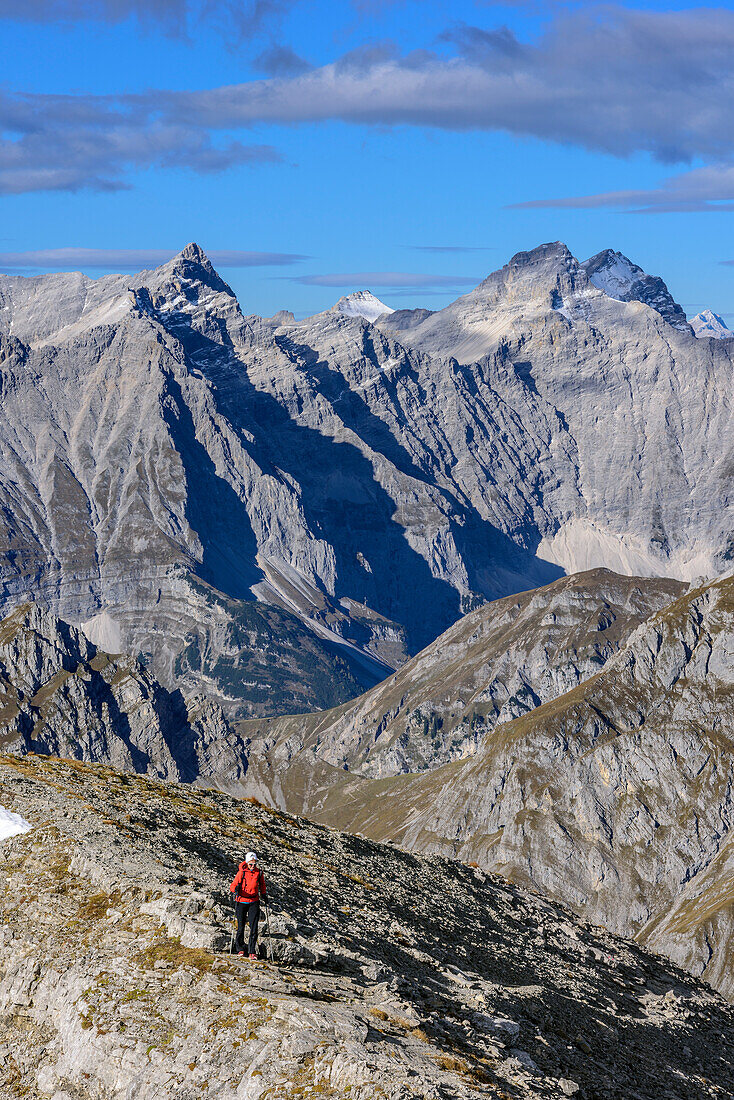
pixel 248 887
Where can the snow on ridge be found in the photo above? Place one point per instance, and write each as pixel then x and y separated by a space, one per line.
pixel 362 303
pixel 616 276
pixel 709 324
pixel 11 824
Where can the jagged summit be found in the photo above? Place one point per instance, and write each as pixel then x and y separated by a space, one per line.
pixel 709 324
pixel 623 280
pixel 361 303
pixel 194 252
pixel 553 251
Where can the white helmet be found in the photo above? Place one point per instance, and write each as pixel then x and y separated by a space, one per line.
pixel 250 856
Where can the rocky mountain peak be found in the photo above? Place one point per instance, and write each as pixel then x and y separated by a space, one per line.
pixel 193 264
pixel 542 273
pixel 623 280
pixel 551 252
pixel 361 303
pixel 710 324
pixel 195 253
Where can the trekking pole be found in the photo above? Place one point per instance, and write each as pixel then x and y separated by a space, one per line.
pixel 267 922
pixel 234 916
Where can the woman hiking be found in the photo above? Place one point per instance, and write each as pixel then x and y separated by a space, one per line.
pixel 248 887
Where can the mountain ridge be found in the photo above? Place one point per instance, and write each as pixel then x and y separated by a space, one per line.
pixel 615 796
pixel 355 479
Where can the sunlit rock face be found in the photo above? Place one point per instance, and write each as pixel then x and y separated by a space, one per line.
pixel 281 512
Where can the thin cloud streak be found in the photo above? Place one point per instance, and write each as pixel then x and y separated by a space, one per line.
pixel 368 279
pixel 131 259
pixel 703 190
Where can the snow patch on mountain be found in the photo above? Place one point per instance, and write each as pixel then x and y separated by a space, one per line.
pixel 709 324
pixel 616 275
pixel 362 303
pixel 11 824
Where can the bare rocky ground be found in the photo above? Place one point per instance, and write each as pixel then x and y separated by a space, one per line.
pixel 399 976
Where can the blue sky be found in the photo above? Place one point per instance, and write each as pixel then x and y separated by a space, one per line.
pixel 318 147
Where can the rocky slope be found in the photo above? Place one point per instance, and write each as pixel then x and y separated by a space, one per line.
pixel 615 797
pixel 113 903
pixel 496 663
pixel 61 695
pixel 166 460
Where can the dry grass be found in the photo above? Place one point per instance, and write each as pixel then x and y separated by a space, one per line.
pixel 172 951
pixel 95 908
pixel 452 1064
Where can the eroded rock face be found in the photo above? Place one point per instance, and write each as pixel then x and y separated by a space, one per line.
pixel 496 663
pixel 166 459
pixel 615 797
pixel 114 982
pixel 60 695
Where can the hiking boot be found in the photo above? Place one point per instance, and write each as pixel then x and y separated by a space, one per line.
pixel 241 953
pixel 253 958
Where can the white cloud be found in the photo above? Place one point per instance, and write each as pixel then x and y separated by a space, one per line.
pixel 602 78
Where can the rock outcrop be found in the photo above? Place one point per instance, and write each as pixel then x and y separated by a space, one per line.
pixel 166 460
pixel 115 982
pixel 60 695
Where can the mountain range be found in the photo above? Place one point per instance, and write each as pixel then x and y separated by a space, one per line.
pixel 454 579
pixel 280 512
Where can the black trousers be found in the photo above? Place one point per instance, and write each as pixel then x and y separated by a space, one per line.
pixel 247 911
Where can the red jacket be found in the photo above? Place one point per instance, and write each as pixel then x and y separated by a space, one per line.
pixel 248 885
